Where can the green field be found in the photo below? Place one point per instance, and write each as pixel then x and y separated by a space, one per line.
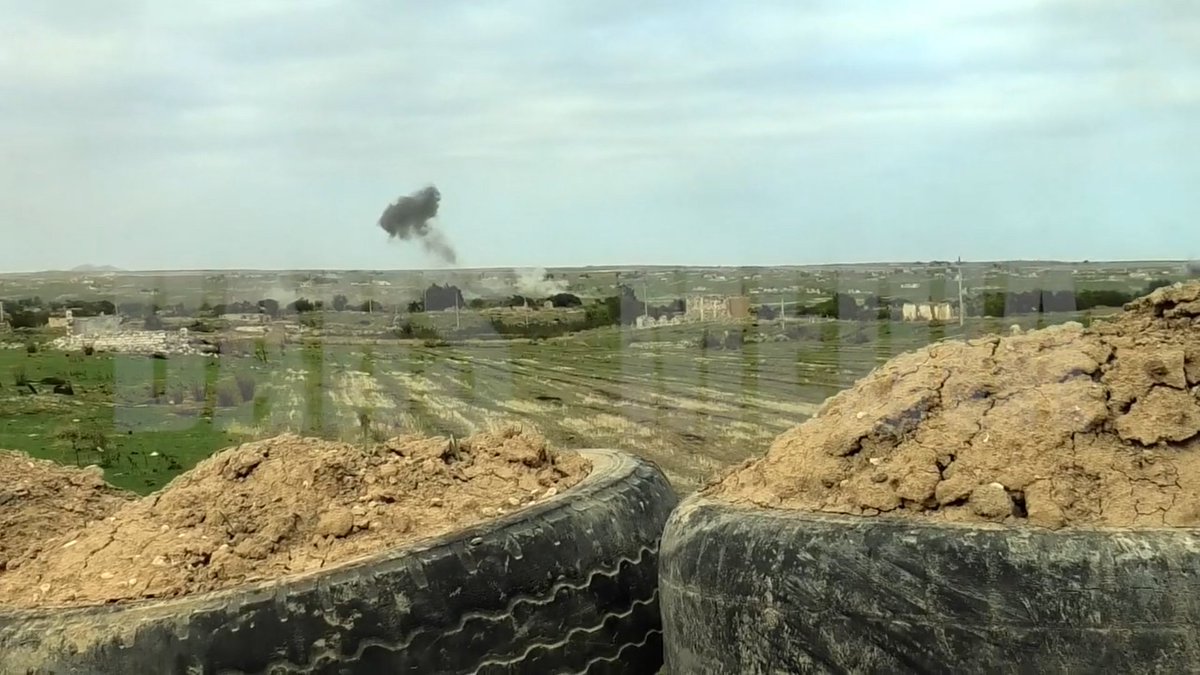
pixel 654 392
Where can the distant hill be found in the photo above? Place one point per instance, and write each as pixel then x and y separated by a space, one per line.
pixel 96 268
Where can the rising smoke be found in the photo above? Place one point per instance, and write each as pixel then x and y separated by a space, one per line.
pixel 409 218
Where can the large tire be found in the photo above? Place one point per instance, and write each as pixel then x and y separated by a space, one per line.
pixel 754 591
pixel 566 586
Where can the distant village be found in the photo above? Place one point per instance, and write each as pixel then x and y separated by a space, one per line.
pixel 147 327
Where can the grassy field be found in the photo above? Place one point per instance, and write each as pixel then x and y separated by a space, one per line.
pixel 654 392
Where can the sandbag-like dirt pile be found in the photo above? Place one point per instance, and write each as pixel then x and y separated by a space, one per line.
pixel 287 505
pixel 41 499
pixel 1064 426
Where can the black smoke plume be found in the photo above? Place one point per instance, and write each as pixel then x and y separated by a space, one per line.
pixel 409 218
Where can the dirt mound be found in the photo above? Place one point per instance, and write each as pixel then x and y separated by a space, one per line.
pixel 288 505
pixel 40 499
pixel 1058 427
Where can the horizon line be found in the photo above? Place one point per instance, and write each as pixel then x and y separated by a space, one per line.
pixel 617 267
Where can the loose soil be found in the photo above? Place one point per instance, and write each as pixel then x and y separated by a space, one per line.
pixel 40 499
pixel 1064 426
pixel 283 506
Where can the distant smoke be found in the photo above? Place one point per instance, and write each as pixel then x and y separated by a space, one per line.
pixel 409 218
pixel 1193 268
pixel 533 283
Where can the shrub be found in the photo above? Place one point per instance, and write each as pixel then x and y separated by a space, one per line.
pixel 246 385
pixel 89 350
pixel 177 395
pixel 20 378
pixel 262 409
pixel 227 395
pixel 31 348
pixel 260 349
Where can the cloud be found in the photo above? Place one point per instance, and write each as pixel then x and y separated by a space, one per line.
pixel 131 107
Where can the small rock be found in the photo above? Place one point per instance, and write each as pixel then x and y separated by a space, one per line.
pixel 879 477
pixel 359 511
pixel 71 543
pixel 436 501
pixel 106 575
pixel 550 492
pixel 875 461
pixel 513 501
pixel 335 523
pixel 44 588
pixel 991 501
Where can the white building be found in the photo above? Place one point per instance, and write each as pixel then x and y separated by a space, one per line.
pixel 927 311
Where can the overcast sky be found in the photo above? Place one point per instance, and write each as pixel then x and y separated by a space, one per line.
pixel 273 133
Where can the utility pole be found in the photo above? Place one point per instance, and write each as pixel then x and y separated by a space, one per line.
pixel 645 300
pixel 962 308
pixel 457 324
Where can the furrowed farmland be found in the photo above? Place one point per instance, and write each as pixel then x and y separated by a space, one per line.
pixel 662 392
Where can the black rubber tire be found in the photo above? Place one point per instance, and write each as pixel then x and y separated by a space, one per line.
pixel 754 591
pixel 566 586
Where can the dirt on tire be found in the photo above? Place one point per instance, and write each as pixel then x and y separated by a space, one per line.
pixel 283 506
pixel 1063 426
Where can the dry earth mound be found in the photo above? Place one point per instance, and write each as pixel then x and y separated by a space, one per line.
pixel 288 505
pixel 1063 426
pixel 40 499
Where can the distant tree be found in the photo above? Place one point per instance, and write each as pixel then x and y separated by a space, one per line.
pixel 477 303
pixel 630 306
pixel 415 307
pixel 1088 299
pixel 606 312
pixel 565 300
pixel 302 305
pixel 370 306
pixel 269 306
pixel 1157 284
pixel 340 303
pixel 437 298
pixel 27 317
pixel 994 304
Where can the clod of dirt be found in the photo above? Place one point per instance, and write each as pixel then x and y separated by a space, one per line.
pixel 40 499
pixel 1063 426
pixel 287 505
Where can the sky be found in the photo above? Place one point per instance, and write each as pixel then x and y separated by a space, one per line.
pixel 271 134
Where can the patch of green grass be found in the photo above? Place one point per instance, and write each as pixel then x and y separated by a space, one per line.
pixel 146 440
